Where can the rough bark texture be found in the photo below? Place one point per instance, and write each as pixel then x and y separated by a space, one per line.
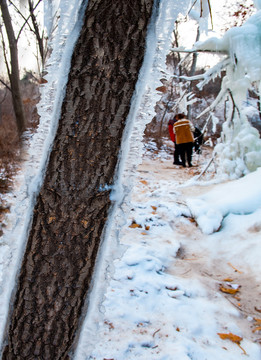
pixel 73 203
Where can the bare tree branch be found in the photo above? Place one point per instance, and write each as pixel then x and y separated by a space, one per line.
pixel 4 52
pixel 22 27
pixel 192 6
pixel 39 38
pixel 234 105
pixel 22 15
pixel 26 19
pixel 7 86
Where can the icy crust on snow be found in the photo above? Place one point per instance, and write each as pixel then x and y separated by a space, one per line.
pixel 29 180
pixel 242 196
pixel 240 150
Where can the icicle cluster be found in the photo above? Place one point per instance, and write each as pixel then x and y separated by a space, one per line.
pixel 240 149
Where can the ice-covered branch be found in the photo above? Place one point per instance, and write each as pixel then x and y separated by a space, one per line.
pixel 240 151
pixel 213 72
pixel 218 99
pixel 191 51
pixel 208 75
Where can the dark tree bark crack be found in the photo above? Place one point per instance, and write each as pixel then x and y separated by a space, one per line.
pixel 73 203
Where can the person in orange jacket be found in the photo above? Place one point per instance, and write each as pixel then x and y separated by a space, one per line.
pixel 173 138
pixel 183 130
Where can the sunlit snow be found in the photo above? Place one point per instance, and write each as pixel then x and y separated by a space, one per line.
pixel 155 292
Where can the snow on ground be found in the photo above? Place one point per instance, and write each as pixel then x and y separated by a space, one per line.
pixel 158 291
pixel 243 196
pixel 162 299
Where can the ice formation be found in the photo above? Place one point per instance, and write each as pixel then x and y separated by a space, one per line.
pixel 240 149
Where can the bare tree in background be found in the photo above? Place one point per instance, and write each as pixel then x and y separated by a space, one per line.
pixel 12 64
pixel 31 22
pixel 13 68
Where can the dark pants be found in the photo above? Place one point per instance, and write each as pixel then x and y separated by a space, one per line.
pixel 176 154
pixel 186 153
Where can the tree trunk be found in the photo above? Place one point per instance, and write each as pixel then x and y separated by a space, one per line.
pixel 73 203
pixel 13 72
pixel 192 72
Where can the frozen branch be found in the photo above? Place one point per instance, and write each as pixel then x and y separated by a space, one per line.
pixel 212 73
pixel 208 75
pixel 218 99
pixel 191 51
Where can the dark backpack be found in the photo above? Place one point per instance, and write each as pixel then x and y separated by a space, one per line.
pixel 198 139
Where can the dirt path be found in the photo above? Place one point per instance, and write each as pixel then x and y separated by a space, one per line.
pixel 196 258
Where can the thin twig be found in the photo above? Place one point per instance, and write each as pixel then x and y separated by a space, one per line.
pixel 4 52
pixel 205 169
pixel 192 6
pixel 155 332
pixel 7 86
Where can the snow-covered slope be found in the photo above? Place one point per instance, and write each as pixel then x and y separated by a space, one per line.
pixel 165 297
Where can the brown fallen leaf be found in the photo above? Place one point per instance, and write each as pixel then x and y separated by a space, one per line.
pixel 134 225
pixel 257 320
pixel 144 182
pixel 147 227
pixel 162 89
pixel 258 310
pixel 228 290
pixel 228 280
pixel 154 207
pixel 144 233
pixel 234 338
pixel 109 324
pixel 171 288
